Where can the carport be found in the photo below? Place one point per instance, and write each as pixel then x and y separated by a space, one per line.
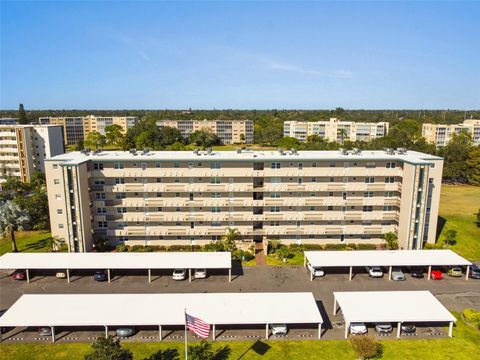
pixel 162 310
pixel 385 258
pixel 391 307
pixel 115 261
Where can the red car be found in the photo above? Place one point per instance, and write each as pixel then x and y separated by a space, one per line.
pixel 19 275
pixel 436 275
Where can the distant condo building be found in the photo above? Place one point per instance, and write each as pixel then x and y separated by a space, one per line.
pixel 8 121
pixel 441 134
pixel 183 197
pixel 229 131
pixel 24 148
pixel 77 128
pixel 335 130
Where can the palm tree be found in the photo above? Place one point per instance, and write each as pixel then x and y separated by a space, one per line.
pixel 229 239
pixel 12 218
pixel 342 133
pixel 54 244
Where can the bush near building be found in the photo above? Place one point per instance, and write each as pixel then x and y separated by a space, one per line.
pixel 366 347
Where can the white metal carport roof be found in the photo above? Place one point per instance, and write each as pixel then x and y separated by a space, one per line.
pixel 150 260
pixel 162 309
pixel 385 258
pixel 390 306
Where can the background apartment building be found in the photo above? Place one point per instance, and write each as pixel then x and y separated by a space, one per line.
pixel 229 131
pixel 76 128
pixel 441 134
pixel 24 148
pixel 166 198
pixel 335 130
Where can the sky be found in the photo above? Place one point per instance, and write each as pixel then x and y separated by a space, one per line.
pixel 239 55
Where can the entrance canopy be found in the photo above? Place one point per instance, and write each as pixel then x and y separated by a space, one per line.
pixel 153 260
pixel 161 309
pixel 385 258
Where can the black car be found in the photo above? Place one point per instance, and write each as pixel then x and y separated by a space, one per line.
pixel 417 272
pixel 408 328
pixel 475 271
pixel 100 275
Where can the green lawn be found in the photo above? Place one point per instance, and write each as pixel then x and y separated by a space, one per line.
pixel 458 204
pixel 464 345
pixel 30 241
pixel 297 259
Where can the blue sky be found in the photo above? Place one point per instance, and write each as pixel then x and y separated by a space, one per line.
pixel 242 55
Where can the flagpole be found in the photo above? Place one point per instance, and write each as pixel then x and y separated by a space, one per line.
pixel 186 334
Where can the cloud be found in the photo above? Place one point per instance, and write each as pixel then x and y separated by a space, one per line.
pixel 275 65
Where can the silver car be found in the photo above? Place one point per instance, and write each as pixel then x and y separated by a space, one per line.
pixel 125 331
pixel 397 274
pixel 383 328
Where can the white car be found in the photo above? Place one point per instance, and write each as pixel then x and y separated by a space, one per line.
pixel 200 273
pixel 179 274
pixel 279 329
pixel 358 328
pixel 374 271
pixel 397 274
pixel 315 270
pixel 60 275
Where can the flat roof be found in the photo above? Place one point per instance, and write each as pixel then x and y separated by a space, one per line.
pixel 385 258
pixel 392 306
pixel 161 309
pixel 150 260
pixel 77 157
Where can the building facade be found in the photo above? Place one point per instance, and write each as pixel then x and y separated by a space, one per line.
pixel 335 130
pixel 77 128
pixel 229 131
pixel 181 197
pixel 441 134
pixel 8 121
pixel 24 148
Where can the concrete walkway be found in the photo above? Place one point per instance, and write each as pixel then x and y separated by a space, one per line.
pixel 260 258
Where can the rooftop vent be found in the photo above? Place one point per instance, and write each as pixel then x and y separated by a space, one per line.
pixel 280 150
pixel 343 151
pixel 401 151
pixel 239 151
pixel 294 151
pixel 209 151
pixel 356 151
pixel 132 151
pixel 195 151
pixel 390 151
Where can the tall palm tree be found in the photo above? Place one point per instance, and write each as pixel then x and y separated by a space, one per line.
pixel 12 218
pixel 342 133
pixel 229 238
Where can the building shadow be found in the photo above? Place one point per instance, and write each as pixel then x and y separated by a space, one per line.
pixel 441 222
pixel 258 347
pixel 327 324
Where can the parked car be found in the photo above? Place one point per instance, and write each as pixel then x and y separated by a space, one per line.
pixel 358 328
pixel 384 328
pixel 200 273
pixel 374 271
pixel 100 275
pixel 179 274
pixel 436 275
pixel 19 275
pixel 44 331
pixel 417 272
pixel 317 271
pixel 61 275
pixel 279 329
pixel 475 271
pixel 125 331
pixel 408 328
pixel 455 271
pixel 397 274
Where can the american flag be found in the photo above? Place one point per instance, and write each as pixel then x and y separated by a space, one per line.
pixel 199 327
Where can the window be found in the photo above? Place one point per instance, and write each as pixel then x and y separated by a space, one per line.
pixel 158 165
pixel 274 223
pixel 176 180
pixel 332 179
pixel 275 195
pixel 176 164
pixel 276 165
pixel 101 210
pixel 332 164
pixel 102 224
pixel 55 166
pixel 314 179
pixel 134 164
pixel 388 208
pixel 216 223
pixel 159 194
pixel 59 211
pixel 314 164
pixel 216 195
pixel 118 166
pixel 370 165
pixel 330 208
pixel 216 209
pixel 60 226
pixel 368 208
pixel 120 195
pixel 276 180
pixel 390 165
pixel 58 197
pixel 330 193
pixel 369 180
pixel 97 166
pixel 121 210
pixel 389 194
pixel 158 180
pixel 99 182
pixel 119 181
pixel 300 166
pixel 99 196
pixel 275 209
pixel 56 181
pixel 177 209
pixel 215 180
pixel 389 180
pixel 215 165
pixel 368 194
pixel 312 208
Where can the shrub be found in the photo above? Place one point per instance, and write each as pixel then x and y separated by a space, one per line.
pixel 472 316
pixel 307 247
pixel 351 246
pixel 121 248
pixel 178 248
pixel 137 248
pixel 428 246
pixel 273 246
pixel 366 347
pixel 214 246
pixel 335 246
pixel 283 252
pixel 296 248
pixel 366 247
pixel 242 255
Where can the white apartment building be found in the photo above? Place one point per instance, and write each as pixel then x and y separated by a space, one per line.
pixel 229 131
pixel 24 148
pixel 76 128
pixel 183 197
pixel 441 134
pixel 335 130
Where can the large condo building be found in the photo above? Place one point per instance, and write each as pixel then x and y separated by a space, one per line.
pixel 24 148
pixel 76 128
pixel 335 130
pixel 229 131
pixel 441 134
pixel 180 197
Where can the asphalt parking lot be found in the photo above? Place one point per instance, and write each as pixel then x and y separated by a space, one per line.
pixel 455 293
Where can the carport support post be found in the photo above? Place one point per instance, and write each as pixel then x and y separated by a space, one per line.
pixel 347 325
pixel 190 275
pixel 160 332
pixel 108 272
pixel 230 275
pixel 399 326
pixel 390 273
pixel 68 276
pixel 467 272
pixel 52 328
pixel 429 272
pixel 213 331
pixel 319 330
pixel 106 331
pixel 149 275
pixel 266 331
pixel 450 329
pixel 350 274
pixel 28 276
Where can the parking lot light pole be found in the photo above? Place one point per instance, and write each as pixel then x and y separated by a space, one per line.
pixel 52 329
pixel 399 327
pixel 467 272
pixel 429 272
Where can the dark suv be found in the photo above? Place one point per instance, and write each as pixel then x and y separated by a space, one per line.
pixel 417 272
pixel 475 271
pixel 100 275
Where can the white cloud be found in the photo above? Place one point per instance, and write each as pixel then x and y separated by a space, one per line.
pixel 274 65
